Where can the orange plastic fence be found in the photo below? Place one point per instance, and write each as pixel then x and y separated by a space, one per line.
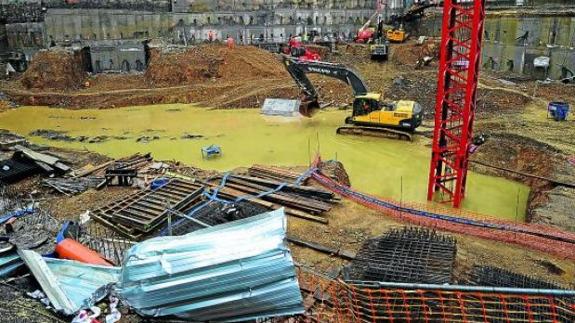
pixel 336 301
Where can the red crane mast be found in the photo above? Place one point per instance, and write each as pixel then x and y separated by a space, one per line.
pixel 460 57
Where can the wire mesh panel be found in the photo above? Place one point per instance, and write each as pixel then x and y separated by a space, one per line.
pixel 406 255
pixel 212 213
pixel 497 277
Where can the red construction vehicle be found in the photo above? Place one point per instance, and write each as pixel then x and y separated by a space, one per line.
pixel 295 48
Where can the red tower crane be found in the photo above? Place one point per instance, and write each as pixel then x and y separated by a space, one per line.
pixel 460 57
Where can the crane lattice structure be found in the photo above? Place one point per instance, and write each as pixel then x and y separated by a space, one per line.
pixel 460 57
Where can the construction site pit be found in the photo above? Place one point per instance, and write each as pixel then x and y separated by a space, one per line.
pixel 384 167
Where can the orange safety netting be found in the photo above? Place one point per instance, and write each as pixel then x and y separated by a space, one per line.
pixel 538 237
pixel 329 300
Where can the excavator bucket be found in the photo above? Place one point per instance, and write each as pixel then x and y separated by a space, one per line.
pixel 308 108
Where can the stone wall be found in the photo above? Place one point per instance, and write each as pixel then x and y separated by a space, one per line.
pixel 512 43
pixel 142 5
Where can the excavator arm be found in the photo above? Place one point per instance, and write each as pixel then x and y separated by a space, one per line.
pixel 298 69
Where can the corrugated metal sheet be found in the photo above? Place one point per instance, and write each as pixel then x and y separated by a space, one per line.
pixel 70 285
pixel 235 271
pixel 9 262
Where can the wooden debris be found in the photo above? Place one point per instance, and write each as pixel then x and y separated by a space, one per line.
pixel 141 212
pixel 46 162
pixel 72 186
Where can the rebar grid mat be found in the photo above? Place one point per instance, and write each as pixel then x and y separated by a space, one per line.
pixel 498 277
pixel 329 300
pixel 409 255
pixel 214 213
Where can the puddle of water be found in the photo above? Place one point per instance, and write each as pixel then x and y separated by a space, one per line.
pixel 384 167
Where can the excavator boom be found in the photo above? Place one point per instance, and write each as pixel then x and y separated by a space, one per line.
pixel 298 69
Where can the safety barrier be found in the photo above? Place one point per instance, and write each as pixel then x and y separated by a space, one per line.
pixel 328 300
pixel 537 237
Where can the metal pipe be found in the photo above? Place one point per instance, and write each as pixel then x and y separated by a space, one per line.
pixel 460 288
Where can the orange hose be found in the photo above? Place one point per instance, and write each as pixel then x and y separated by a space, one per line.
pixel 73 250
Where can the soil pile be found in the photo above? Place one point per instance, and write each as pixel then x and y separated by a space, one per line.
pixel 55 70
pixel 500 101
pixel 336 171
pixel 349 54
pixel 410 53
pixel 180 67
pixel 421 86
pixel 202 63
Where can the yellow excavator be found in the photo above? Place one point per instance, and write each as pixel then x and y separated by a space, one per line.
pixel 370 115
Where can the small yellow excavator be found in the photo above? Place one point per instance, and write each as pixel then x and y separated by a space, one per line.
pixel 370 115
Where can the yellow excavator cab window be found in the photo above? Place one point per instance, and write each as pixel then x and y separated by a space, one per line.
pixel 363 106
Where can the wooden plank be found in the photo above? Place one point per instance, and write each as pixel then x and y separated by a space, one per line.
pixel 40 157
pixel 93 169
pixel 344 254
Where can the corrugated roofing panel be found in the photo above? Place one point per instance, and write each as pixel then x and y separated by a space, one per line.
pixel 234 271
pixel 70 285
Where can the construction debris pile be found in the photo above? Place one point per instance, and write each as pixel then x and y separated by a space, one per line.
pixel 174 240
pixel 99 253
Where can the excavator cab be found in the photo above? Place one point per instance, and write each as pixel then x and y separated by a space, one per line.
pixel 397 35
pixel 369 110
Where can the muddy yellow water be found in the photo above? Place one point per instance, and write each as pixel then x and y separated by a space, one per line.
pixel 385 167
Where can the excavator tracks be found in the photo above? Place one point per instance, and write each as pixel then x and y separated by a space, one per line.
pixel 374 132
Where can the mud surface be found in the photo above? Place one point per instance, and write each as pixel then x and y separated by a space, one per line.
pixel 513 114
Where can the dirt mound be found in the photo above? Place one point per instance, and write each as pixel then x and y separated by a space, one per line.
pixel 409 53
pixel 180 67
pixel 55 70
pixel 349 54
pixel 500 101
pixel 201 63
pixel 336 171
pixel 421 86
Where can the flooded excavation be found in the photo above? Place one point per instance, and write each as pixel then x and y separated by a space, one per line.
pixel 384 167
